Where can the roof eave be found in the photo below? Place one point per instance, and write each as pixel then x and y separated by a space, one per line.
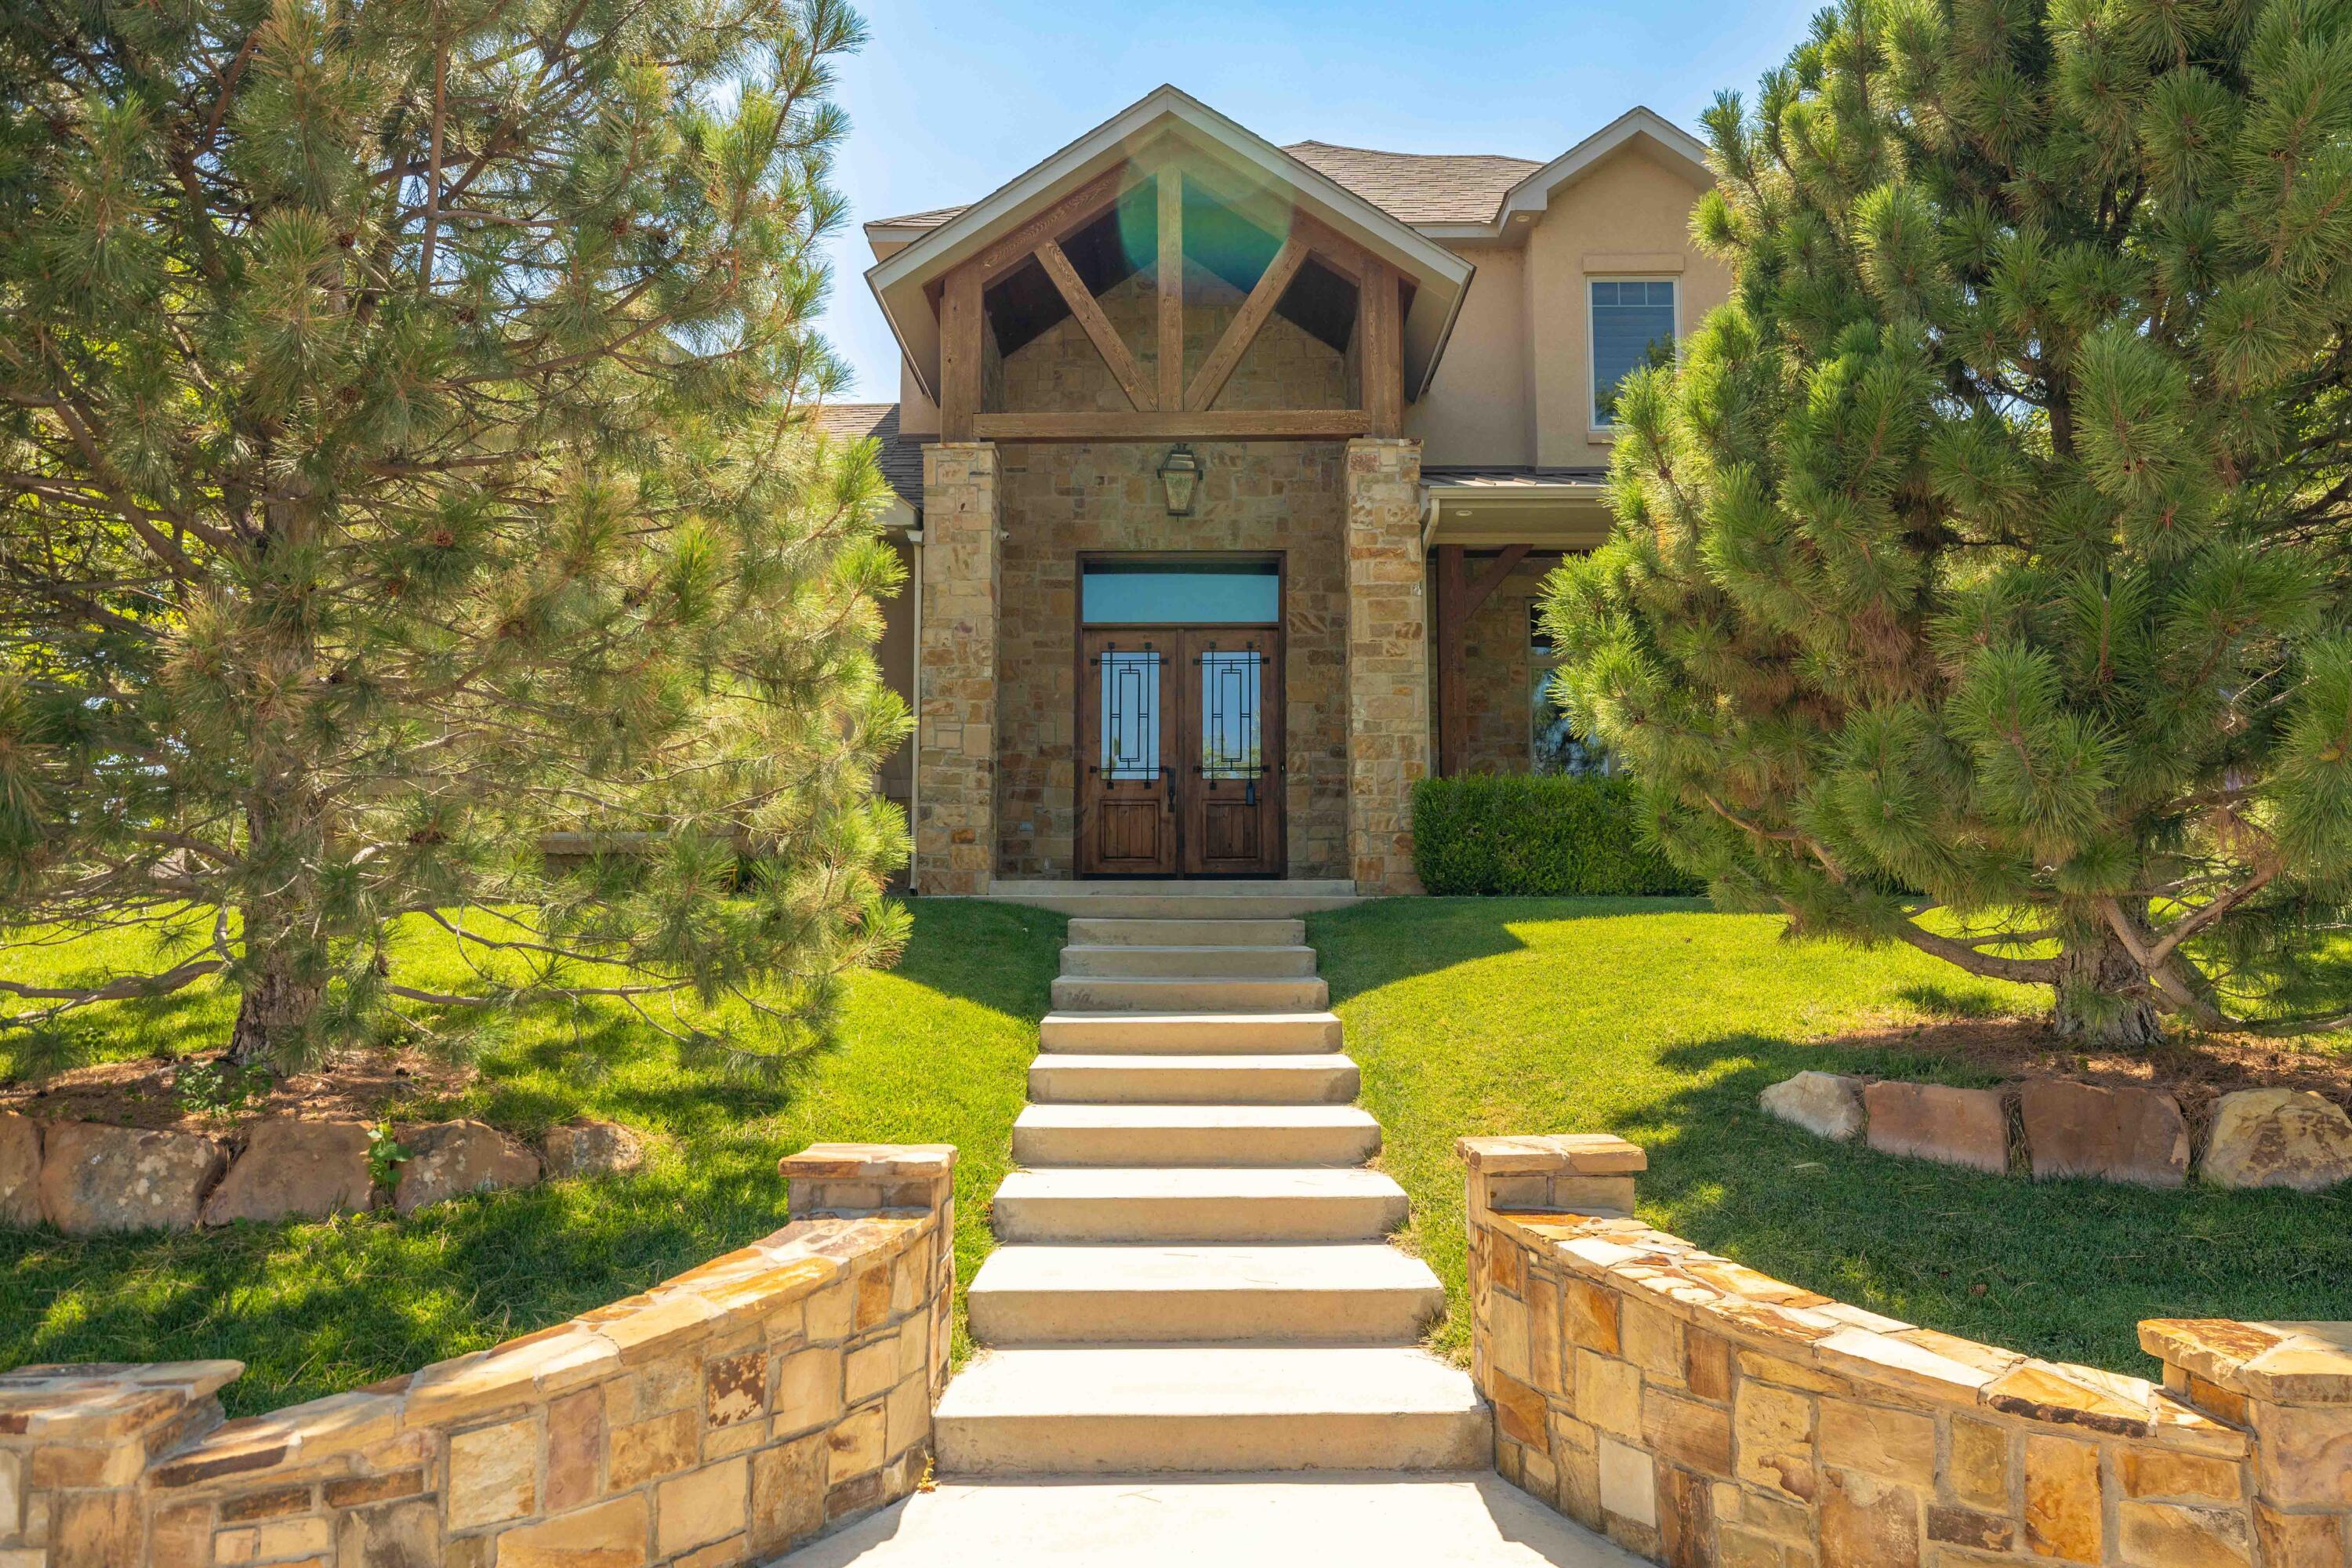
pixel 899 282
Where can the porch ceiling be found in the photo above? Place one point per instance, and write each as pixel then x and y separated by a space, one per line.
pixel 1549 509
pixel 1217 153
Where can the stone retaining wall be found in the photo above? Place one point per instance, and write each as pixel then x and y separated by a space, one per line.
pixel 1699 1411
pixel 720 1418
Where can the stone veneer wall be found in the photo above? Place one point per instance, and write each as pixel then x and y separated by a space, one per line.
pixel 1496 678
pixel 1699 1411
pixel 956 706
pixel 1272 496
pixel 720 1418
pixel 1388 662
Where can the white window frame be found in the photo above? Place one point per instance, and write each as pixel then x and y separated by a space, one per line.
pixel 1593 425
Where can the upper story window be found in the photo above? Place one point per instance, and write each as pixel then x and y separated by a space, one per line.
pixel 1632 326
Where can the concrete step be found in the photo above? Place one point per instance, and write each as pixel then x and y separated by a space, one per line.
pixel 1330 1293
pixel 1394 1521
pixel 1202 993
pixel 1197 905
pixel 1065 1078
pixel 1087 930
pixel 1188 962
pixel 1135 1135
pixel 1106 1410
pixel 1202 1204
pixel 1189 1034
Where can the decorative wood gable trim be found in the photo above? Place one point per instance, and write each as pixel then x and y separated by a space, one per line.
pixel 1163 406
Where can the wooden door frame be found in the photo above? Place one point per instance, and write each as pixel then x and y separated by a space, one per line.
pixel 1280 559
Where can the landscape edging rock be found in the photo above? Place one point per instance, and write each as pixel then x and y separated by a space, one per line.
pixel 91 1178
pixel 2126 1133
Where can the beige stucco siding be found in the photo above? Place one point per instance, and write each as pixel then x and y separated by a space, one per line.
pixel 1628 217
pixel 1476 409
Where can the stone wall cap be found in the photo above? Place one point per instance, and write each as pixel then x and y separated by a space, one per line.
pixel 1579 1153
pixel 2284 1362
pixel 869 1161
pixel 107 1399
pixel 1925 1365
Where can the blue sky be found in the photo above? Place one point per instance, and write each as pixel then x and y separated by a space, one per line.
pixel 948 102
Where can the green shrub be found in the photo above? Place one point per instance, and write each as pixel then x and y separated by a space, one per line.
pixel 1535 836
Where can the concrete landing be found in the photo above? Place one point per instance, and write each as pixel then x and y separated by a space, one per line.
pixel 1229 1522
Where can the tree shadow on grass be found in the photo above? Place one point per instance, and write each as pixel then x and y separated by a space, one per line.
pixel 314 1309
pixel 1360 950
pixel 2061 1269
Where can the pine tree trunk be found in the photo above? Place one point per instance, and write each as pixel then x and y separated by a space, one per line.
pixel 2102 999
pixel 284 819
pixel 275 1010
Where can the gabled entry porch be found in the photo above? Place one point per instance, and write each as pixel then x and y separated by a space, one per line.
pixel 1171 366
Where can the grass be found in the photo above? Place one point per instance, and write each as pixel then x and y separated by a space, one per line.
pixel 933 1051
pixel 1652 1018
pixel 1661 1022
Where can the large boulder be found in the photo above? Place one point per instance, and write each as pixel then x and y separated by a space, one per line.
pixel 99 1179
pixel 2126 1134
pixel 589 1148
pixel 1935 1122
pixel 1826 1103
pixel 449 1159
pixel 20 1169
pixel 289 1168
pixel 2278 1138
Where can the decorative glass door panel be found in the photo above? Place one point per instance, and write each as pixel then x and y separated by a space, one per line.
pixel 1180 756
pixel 1126 816
pixel 1232 807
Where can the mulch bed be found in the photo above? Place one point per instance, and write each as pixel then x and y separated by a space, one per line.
pixel 2196 1070
pixel 367 1087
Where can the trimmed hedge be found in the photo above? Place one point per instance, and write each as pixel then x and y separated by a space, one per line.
pixel 1535 836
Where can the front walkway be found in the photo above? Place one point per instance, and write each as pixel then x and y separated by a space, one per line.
pixel 1196 1296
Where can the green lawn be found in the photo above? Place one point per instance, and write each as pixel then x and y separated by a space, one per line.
pixel 1654 1019
pixel 1661 1022
pixel 933 1052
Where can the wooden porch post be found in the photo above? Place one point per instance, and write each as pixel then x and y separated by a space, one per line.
pixel 960 325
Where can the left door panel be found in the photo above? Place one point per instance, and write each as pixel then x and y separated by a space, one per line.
pixel 1126 754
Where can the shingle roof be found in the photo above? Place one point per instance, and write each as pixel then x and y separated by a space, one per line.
pixel 1419 187
pixel 1412 187
pixel 901 459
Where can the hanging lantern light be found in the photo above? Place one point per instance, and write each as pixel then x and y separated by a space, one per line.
pixel 1179 476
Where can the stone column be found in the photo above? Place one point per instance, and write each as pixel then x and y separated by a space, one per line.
pixel 1388 662
pixel 955 738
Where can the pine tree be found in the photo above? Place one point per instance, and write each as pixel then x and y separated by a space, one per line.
pixel 404 458
pixel 1978 580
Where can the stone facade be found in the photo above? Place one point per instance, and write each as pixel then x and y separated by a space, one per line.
pixel 1388 662
pixel 1498 675
pixel 720 1418
pixel 956 734
pixel 1274 498
pixel 1699 1411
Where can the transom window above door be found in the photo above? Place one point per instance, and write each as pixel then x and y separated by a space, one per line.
pixel 1163 592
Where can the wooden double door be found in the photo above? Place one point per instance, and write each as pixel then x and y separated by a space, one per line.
pixel 1180 752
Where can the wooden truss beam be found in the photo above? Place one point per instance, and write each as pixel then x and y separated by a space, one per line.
pixel 1172 286
pixel 1457 601
pixel 1244 329
pixel 1098 330
pixel 1180 424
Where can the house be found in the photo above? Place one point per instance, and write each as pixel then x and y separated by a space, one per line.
pixel 1205 578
